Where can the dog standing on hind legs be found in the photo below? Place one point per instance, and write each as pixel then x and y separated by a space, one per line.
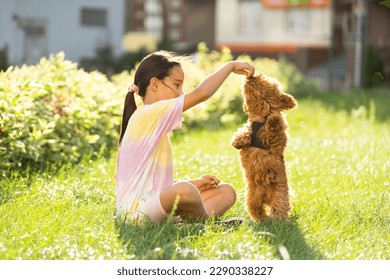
pixel 262 141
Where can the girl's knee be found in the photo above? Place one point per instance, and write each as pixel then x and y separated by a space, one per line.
pixel 188 193
pixel 228 192
pixel 182 195
pixel 190 202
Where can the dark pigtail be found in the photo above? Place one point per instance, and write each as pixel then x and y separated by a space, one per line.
pixel 128 109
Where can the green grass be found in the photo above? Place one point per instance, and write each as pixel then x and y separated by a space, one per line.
pixel 338 162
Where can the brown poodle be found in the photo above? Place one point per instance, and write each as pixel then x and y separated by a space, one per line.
pixel 262 141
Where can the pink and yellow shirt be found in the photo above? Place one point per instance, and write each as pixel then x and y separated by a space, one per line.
pixel 145 163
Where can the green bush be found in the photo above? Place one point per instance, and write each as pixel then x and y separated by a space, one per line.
pixel 54 112
pixel 373 72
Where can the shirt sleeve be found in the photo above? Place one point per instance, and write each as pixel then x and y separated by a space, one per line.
pixel 172 116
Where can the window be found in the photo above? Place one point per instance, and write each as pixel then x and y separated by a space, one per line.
pixel 250 14
pixel 35 40
pixel 175 3
pixel 93 17
pixel 174 18
pixel 153 25
pixel 153 20
pixel 297 20
pixel 153 8
pixel 174 35
pixel 34 30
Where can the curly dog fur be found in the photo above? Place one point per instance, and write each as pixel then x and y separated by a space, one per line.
pixel 262 141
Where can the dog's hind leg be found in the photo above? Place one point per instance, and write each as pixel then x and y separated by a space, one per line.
pixel 278 194
pixel 281 203
pixel 255 204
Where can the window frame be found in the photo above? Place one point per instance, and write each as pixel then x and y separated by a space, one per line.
pixel 89 17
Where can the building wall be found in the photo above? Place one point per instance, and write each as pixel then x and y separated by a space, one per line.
pixel 184 23
pixel 135 15
pixel 200 23
pixel 375 33
pixel 300 34
pixel 51 26
pixel 273 26
pixel 378 32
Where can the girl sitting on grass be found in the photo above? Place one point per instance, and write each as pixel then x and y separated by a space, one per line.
pixel 144 179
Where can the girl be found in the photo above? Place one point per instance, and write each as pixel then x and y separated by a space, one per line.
pixel 144 179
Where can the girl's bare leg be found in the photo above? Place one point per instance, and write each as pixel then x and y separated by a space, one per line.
pixel 188 199
pixel 192 204
pixel 217 201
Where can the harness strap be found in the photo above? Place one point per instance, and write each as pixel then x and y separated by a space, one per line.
pixel 255 141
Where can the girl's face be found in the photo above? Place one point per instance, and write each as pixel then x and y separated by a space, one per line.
pixel 171 86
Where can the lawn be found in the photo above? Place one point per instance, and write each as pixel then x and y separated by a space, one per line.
pixel 338 163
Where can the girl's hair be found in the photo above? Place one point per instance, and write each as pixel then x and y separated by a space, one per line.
pixel 157 64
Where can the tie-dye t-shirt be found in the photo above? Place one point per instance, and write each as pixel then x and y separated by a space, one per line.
pixel 144 166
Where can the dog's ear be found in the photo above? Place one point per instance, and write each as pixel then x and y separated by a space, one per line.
pixel 287 102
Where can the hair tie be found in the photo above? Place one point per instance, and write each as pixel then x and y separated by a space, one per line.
pixel 133 88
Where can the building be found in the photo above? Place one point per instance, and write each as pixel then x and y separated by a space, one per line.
pixel 275 28
pixel 373 34
pixel 30 29
pixel 327 40
pixel 319 36
pixel 183 23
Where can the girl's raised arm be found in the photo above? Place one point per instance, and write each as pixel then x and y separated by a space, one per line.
pixel 211 84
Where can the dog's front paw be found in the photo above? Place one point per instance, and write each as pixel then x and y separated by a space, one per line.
pixel 236 143
pixel 241 139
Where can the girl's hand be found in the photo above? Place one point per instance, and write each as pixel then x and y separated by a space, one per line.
pixel 206 182
pixel 243 68
pixel 211 84
pixel 212 181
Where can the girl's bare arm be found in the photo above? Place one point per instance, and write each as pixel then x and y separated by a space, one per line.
pixel 211 84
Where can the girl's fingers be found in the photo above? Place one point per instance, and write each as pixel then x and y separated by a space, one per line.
pixel 213 181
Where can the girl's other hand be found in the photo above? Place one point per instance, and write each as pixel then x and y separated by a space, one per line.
pixel 206 182
pixel 212 180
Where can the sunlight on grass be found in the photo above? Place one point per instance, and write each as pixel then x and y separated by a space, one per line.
pixel 68 215
pixel 338 165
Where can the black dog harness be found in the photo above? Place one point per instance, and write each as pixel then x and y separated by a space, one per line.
pixel 255 141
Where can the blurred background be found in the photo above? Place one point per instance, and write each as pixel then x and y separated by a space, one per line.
pixel 340 44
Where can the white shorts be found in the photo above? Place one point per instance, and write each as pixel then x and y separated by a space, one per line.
pixel 152 208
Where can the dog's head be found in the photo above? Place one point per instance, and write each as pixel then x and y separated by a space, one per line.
pixel 264 95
